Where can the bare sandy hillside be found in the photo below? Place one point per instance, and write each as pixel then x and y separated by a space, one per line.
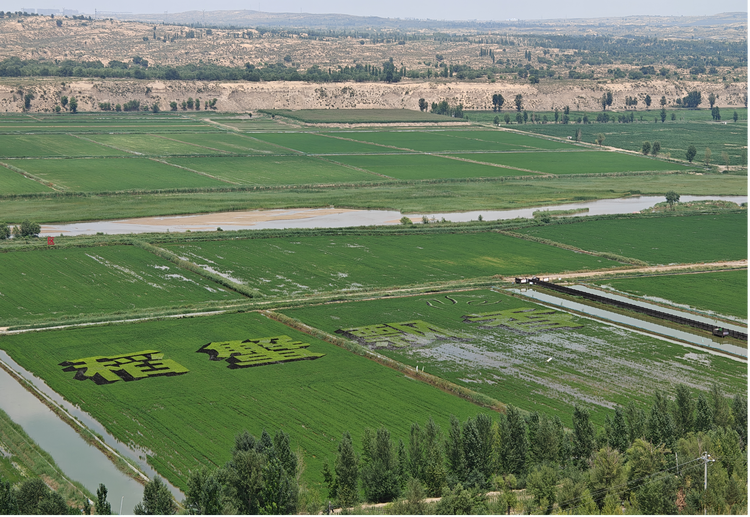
pixel 250 96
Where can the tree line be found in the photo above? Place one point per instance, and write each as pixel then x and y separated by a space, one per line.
pixel 639 462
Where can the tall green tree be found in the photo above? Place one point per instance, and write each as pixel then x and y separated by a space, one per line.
pixel 690 153
pixel 73 105
pixel 655 148
pixel 660 428
pixel 380 471
pixel 636 419
pixel 8 502
pixel 101 504
pixel 657 496
pixel 204 493
pixel 416 452
pixel 518 101
pixel 739 411
pixel 584 436
pixel 434 466
pixel 663 115
pixel 514 442
pixel 157 499
pixel 454 451
pixel 720 407
pixel 541 483
pixel 617 431
pixel 683 411
pixel 344 487
pixel 608 473
pixel 704 415
pixel 672 197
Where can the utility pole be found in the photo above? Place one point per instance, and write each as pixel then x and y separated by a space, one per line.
pixel 706 457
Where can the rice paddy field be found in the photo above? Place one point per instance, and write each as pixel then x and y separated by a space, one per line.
pixel 94 166
pixel 189 419
pixel 689 127
pixel 547 367
pixel 60 283
pixel 308 265
pixel 666 240
pixel 86 153
pixel 722 292
pixel 115 174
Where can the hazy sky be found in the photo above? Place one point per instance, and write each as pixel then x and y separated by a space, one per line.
pixel 435 9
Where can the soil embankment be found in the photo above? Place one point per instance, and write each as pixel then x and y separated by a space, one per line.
pixel 242 96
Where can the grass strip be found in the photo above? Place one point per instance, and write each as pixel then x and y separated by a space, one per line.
pixel 603 254
pixel 190 266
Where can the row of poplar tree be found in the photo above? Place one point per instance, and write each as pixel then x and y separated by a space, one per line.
pixel 639 462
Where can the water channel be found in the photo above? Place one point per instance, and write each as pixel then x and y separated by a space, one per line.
pixel 342 218
pixel 79 460
pixel 682 314
pixel 658 330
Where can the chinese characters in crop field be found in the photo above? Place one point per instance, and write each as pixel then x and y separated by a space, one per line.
pixel 126 367
pixel 407 334
pixel 259 351
pixel 525 319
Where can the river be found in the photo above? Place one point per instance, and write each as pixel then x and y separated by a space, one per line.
pixel 342 218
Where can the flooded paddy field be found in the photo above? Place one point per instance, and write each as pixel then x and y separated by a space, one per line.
pixel 519 352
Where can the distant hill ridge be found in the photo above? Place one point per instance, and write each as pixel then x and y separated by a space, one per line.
pixel 250 18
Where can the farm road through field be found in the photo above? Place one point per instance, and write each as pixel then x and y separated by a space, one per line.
pixel 728 264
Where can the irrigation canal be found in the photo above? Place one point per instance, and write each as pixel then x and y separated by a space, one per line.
pixel 79 460
pixel 652 328
pixel 342 218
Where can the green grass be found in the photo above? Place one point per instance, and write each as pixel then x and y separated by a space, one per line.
pixel 432 141
pixel 306 265
pixel 14 183
pixel 59 283
pixel 232 143
pixel 108 174
pixel 586 162
pixel 313 143
pixel 595 365
pixel 722 292
pixel 661 240
pixel 422 167
pixel 191 419
pixel 154 145
pixel 674 136
pixel 359 116
pixel 26 146
pixel 275 170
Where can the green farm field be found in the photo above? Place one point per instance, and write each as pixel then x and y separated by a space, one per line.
pixel 306 265
pixel 674 136
pixel 190 420
pixel 594 365
pixel 113 174
pixel 663 240
pixel 232 143
pixel 275 170
pixel 424 167
pixel 585 162
pixel 434 141
pixel 312 143
pixel 153 145
pixel 37 146
pixel 723 292
pixel 12 182
pixel 60 283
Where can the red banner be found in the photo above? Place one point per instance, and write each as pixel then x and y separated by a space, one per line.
pixel 51 241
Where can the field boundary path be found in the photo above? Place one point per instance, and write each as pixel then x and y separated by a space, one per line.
pixel 687 268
